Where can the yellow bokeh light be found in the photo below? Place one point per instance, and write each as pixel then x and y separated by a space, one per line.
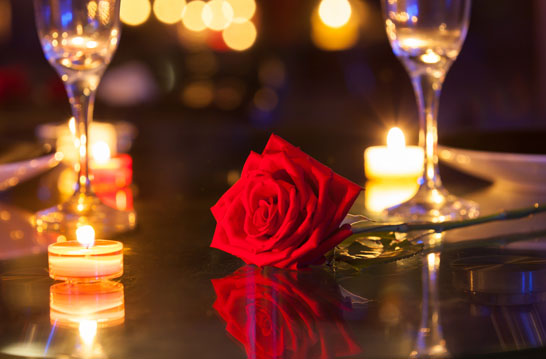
pixel 92 9
pixel 217 14
pixel 243 9
pixel 192 16
pixel 169 11
pixel 334 39
pixel 135 12
pixel 240 35
pixel 193 40
pixel 335 13
pixel 198 94
pixel 121 200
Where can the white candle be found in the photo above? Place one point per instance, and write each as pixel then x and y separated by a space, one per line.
pixel 102 136
pixel 85 259
pixel 394 161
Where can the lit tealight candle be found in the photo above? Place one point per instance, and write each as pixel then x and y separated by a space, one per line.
pixel 394 161
pixel 110 172
pixel 86 259
pixel 100 134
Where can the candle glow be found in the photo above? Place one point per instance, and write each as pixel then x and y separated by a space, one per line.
pixel 101 152
pixel 86 259
pixel 395 161
pixel 87 306
pixel 380 195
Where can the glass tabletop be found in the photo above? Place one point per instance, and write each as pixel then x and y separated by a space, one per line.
pixel 480 294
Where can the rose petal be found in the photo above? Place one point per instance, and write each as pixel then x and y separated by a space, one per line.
pixel 285 210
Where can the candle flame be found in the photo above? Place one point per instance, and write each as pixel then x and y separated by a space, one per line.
pixel 430 57
pixel 86 235
pixel 101 152
pixel 88 330
pixel 395 139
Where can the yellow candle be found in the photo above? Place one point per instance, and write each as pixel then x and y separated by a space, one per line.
pixel 103 143
pixel 85 259
pixel 72 304
pixel 394 161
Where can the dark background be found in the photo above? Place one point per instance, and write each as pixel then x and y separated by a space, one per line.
pixel 496 83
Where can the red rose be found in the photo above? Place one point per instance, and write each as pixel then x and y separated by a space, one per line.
pixel 284 314
pixel 285 210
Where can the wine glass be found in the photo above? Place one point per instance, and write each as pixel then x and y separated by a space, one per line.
pixel 427 36
pixel 78 38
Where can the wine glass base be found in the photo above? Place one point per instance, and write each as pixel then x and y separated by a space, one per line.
pixel 80 210
pixel 433 205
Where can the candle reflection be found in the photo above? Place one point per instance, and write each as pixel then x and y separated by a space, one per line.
pixel 87 305
pixel 285 314
pixel 380 195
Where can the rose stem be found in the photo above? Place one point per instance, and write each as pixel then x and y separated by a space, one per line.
pixel 368 226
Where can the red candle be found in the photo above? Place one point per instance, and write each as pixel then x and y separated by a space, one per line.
pixel 119 198
pixel 116 172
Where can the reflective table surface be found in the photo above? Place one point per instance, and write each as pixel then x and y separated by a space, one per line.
pixel 480 294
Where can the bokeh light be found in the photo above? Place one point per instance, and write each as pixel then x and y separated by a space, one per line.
pixel 229 93
pixel 243 9
pixel 191 40
pixel 335 13
pixel 272 73
pixel 192 16
pixel 334 39
pixel 266 99
pixel 5 20
pixel 169 11
pixel 217 14
pixel 135 12
pixel 198 94
pixel 240 35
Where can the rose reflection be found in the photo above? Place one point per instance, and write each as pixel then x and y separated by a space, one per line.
pixel 284 314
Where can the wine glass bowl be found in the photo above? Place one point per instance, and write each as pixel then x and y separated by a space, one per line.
pixel 79 38
pixel 430 39
pixel 427 36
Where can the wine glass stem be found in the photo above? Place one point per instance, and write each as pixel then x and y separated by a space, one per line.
pixel 427 90
pixel 81 94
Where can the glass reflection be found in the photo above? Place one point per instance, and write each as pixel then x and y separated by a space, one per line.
pixel 285 314
pixel 430 338
pixel 510 289
pixel 17 233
